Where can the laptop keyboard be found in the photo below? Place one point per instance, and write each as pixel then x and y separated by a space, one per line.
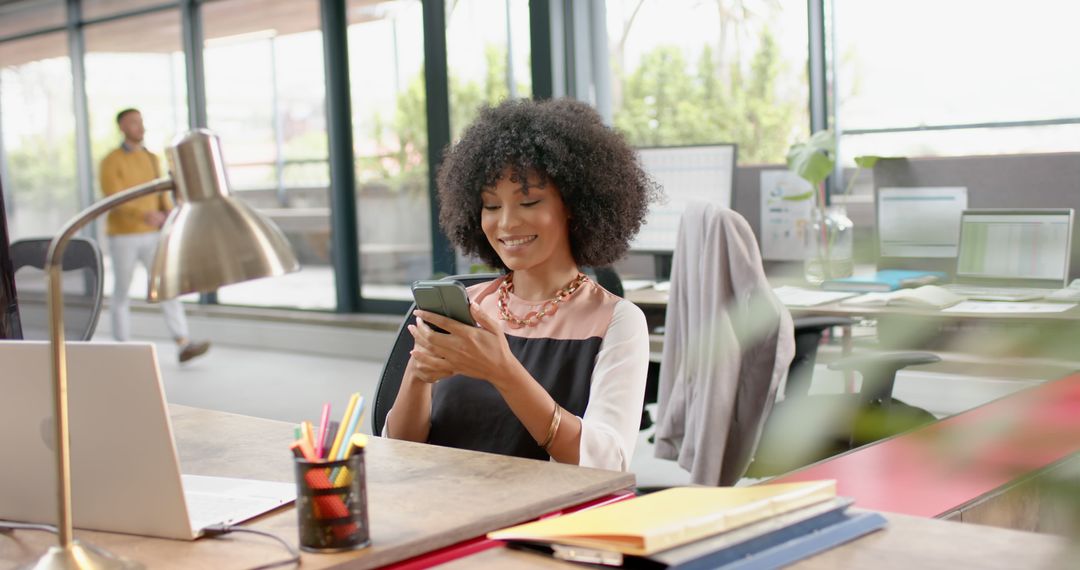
pixel 999 293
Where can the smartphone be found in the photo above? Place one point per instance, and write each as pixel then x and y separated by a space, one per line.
pixel 447 298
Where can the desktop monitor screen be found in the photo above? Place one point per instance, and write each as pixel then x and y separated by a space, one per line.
pixel 1010 246
pixel 686 174
pixel 919 227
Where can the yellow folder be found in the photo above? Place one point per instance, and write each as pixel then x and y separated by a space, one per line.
pixel 669 518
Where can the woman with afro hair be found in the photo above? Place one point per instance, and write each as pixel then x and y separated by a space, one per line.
pixel 556 368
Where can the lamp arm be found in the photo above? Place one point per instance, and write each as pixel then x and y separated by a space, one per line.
pixel 53 267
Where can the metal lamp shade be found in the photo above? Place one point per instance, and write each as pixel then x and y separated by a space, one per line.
pixel 212 239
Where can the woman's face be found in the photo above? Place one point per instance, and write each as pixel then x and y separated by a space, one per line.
pixel 526 229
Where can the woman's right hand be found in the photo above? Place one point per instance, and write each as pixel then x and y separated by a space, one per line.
pixel 425 366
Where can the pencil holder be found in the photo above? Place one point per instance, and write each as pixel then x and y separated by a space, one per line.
pixel 331 504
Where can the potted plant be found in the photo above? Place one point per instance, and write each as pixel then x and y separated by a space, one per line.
pixel 829 247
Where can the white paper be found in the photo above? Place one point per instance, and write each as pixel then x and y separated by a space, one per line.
pixel 799 297
pixel 785 224
pixel 1000 307
pixel 920 222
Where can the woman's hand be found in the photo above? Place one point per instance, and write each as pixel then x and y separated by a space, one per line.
pixel 481 352
pixel 425 366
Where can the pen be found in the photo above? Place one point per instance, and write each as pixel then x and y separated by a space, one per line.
pixel 344 422
pixel 323 421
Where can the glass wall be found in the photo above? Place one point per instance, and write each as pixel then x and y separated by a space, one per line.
pixel 898 68
pixel 38 130
pixel 134 63
pixel 690 72
pixel 390 144
pixel 265 94
pixel 487 52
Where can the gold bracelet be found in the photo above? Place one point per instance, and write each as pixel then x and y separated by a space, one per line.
pixel 556 417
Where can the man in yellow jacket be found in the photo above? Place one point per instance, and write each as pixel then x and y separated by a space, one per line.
pixel 133 230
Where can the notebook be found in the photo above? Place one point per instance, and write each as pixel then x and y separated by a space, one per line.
pixel 125 473
pixel 925 297
pixel 651 523
pixel 1013 255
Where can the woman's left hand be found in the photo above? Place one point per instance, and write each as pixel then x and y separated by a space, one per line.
pixel 481 352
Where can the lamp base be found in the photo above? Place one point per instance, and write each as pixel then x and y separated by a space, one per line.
pixel 81 556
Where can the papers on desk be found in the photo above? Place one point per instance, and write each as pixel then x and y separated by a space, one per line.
pixel 997 307
pixel 799 297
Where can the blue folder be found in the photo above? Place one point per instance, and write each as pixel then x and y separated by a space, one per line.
pixel 884 280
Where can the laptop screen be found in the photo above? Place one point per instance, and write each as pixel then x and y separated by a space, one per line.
pixel 1015 247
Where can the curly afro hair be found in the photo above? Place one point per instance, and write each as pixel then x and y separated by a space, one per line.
pixel 564 142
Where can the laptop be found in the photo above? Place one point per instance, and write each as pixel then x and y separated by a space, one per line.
pixel 125 474
pixel 1013 255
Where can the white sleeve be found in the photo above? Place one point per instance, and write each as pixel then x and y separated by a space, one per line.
pixel 609 428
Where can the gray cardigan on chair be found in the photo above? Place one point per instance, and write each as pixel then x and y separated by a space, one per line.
pixel 728 343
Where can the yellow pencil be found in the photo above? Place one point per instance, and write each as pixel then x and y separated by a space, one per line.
pixel 341 429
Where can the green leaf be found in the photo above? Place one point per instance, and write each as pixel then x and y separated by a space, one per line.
pixel 867 161
pixel 813 160
pixel 798 197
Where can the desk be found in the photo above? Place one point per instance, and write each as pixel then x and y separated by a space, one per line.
pixel 907 543
pixel 982 465
pixel 421 497
pixel 1002 335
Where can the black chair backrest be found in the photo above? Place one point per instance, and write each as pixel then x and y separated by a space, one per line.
pixel 398 359
pixel 82 282
pixel 607 278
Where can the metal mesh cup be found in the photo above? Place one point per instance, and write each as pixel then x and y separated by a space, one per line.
pixel 331 504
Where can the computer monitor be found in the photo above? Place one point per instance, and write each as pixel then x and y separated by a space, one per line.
pixel 704 173
pixel 9 308
pixel 1007 247
pixel 919 228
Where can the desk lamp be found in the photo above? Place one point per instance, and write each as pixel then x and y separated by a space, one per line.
pixel 209 240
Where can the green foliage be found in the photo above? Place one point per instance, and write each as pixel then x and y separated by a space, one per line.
pixel 813 160
pixel 42 172
pixel 666 102
pixel 405 165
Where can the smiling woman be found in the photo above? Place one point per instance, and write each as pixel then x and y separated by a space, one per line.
pixel 556 368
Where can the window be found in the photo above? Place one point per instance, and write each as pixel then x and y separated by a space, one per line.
pixel 692 72
pixel 390 142
pixel 487 45
pixel 923 63
pixel 134 62
pixel 265 93
pixel 38 130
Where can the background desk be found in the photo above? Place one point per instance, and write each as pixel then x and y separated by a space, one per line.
pixel 421 497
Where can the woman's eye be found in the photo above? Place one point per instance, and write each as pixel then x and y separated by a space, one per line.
pixel 530 204
pixel 490 207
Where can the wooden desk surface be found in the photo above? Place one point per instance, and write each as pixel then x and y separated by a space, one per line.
pixel 906 544
pixel 421 497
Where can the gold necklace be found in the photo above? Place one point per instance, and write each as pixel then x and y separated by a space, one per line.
pixel 548 308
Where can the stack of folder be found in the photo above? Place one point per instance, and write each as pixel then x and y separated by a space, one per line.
pixel 765 526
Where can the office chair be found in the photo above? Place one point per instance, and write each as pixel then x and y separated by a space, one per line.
pixel 394 369
pixel 83 290
pixel 607 278
pixel 728 345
